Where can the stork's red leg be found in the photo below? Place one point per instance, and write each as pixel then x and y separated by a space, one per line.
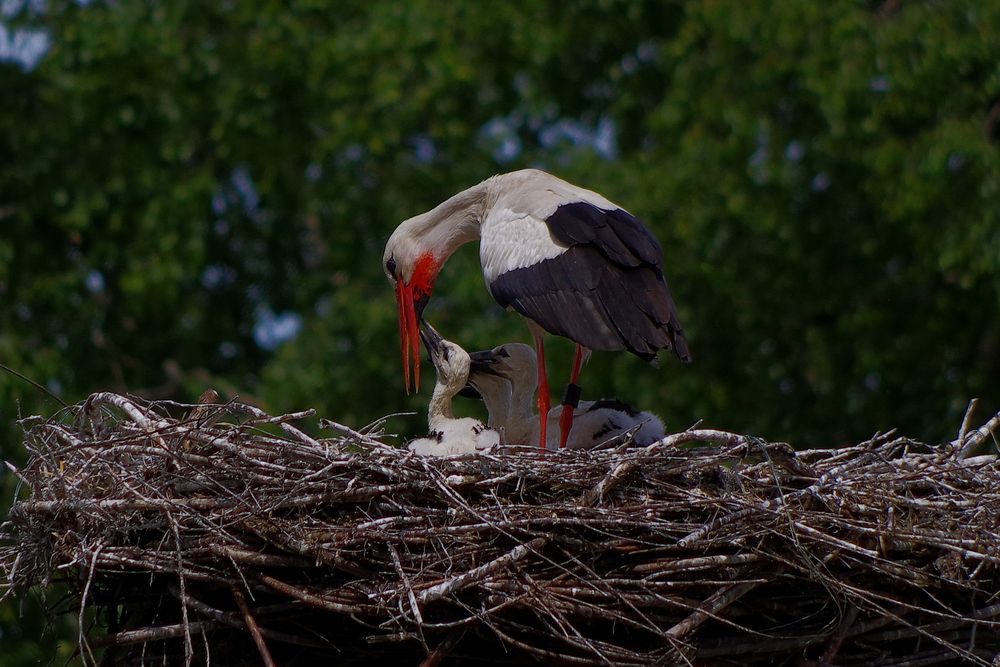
pixel 544 402
pixel 572 398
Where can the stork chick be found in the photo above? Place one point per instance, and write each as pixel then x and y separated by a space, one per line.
pixel 449 435
pixel 506 378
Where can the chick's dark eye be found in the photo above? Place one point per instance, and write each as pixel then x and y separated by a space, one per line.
pixel 390 266
pixel 503 353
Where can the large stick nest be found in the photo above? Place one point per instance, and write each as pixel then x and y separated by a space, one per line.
pixel 223 534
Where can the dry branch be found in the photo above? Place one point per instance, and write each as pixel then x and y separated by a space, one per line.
pixel 232 530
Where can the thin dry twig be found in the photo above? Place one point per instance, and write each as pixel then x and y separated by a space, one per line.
pixel 443 650
pixel 253 628
pixel 711 607
pixel 973 439
pixel 967 421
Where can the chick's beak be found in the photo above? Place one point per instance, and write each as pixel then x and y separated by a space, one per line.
pixel 483 362
pixel 432 339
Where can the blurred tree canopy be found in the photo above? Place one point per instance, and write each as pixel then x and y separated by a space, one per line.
pixel 197 194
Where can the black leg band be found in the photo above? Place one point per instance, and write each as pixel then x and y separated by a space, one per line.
pixel 572 395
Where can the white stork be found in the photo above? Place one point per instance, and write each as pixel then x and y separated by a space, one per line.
pixel 570 261
pixel 505 378
pixel 449 435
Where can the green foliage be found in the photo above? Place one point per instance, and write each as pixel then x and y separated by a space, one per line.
pixel 824 178
pixel 29 635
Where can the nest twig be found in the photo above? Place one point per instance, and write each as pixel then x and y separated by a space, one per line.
pixel 232 536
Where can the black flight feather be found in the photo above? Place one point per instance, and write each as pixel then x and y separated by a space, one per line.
pixel 606 291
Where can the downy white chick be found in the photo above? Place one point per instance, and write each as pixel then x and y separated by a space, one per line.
pixel 449 435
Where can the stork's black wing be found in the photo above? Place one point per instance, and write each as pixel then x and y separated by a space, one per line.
pixel 607 291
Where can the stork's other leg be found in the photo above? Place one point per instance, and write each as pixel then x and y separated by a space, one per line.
pixel 544 402
pixel 571 398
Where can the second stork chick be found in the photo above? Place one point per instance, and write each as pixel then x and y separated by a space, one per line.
pixel 506 379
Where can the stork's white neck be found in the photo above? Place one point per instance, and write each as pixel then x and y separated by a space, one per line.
pixel 449 225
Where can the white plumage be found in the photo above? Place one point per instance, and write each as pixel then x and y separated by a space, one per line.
pixel 505 379
pixel 570 261
pixel 450 435
pixel 512 240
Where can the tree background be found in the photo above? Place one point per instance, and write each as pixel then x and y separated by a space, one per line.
pixel 197 195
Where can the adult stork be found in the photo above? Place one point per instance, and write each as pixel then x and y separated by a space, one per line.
pixel 567 259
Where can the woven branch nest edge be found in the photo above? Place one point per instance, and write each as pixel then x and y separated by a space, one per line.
pixel 221 534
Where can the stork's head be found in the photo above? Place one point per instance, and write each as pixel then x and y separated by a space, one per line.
pixel 414 255
pixel 515 362
pixel 504 378
pixel 412 267
pixel 450 361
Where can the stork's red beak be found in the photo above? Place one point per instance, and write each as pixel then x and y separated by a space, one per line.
pixel 409 334
pixel 411 302
pixel 410 299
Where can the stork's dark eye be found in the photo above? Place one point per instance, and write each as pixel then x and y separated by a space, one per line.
pixel 390 266
pixel 502 352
